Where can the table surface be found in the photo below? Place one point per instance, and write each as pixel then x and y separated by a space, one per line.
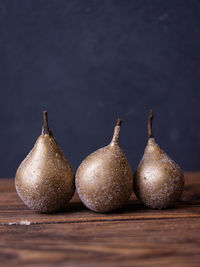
pixel 131 236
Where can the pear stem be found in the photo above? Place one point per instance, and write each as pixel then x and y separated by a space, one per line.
pixel 45 127
pixel 116 135
pixel 150 133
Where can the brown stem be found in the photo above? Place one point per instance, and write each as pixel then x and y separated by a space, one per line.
pixel 45 127
pixel 116 134
pixel 150 134
pixel 119 122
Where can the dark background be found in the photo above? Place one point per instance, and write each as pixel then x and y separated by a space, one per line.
pixel 88 62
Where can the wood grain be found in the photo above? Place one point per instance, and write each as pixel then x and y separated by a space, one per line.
pixel 132 236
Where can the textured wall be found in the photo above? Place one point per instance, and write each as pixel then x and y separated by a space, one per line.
pixel 88 62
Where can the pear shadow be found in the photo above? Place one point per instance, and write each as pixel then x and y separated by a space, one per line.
pixel 75 207
pixel 129 208
pixel 137 206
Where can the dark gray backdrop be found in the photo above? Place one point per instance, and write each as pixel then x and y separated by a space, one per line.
pixel 88 62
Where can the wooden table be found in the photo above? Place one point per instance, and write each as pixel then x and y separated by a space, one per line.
pixel 132 236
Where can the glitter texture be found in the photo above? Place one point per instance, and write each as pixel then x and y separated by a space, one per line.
pixel 45 180
pixel 104 180
pixel 158 180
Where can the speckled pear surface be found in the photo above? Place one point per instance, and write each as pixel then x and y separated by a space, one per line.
pixel 104 180
pixel 158 180
pixel 45 180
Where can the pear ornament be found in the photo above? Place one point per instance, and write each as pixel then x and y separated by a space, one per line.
pixel 45 179
pixel 158 180
pixel 104 180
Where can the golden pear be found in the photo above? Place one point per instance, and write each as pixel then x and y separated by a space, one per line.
pixel 45 180
pixel 158 180
pixel 104 180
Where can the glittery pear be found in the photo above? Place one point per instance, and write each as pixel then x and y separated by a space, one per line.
pixel 104 180
pixel 158 180
pixel 45 180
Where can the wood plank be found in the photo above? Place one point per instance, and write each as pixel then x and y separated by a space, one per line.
pixel 128 243
pixel 132 236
